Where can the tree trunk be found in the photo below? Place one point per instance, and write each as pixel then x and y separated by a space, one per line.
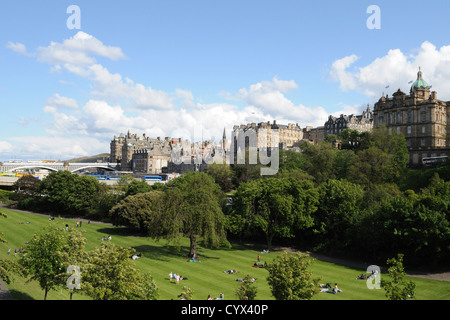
pixel 193 248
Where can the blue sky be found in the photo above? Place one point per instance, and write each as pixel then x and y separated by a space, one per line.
pixel 190 68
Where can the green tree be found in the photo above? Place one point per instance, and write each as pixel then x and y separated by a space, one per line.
pixel 69 193
pixel 289 277
pixel 190 207
pixel 247 290
pixel 222 174
pixel 136 186
pixel 186 294
pixel 110 274
pixel 291 160
pixel 45 258
pixel 276 206
pixel 339 209
pixel 398 288
pixel 136 211
pixel 319 160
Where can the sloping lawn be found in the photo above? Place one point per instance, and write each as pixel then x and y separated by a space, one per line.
pixel 204 277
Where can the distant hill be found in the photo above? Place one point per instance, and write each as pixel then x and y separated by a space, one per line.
pixel 103 157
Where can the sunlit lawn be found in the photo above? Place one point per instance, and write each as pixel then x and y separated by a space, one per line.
pixel 207 277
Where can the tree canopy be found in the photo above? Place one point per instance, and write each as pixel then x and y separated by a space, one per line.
pixel 190 207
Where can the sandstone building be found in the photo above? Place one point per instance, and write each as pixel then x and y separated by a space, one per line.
pixel 420 116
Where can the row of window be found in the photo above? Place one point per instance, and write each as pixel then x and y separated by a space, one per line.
pixel 397 118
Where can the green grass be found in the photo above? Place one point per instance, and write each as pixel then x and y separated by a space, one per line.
pixel 207 277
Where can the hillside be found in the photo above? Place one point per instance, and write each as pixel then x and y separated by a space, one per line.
pixel 99 157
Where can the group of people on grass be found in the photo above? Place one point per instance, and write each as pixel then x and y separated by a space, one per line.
pixel 328 288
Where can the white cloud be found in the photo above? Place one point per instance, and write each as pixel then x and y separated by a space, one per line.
pixel 17 47
pixel 78 51
pixel 6 147
pixel 270 98
pixel 338 72
pixel 396 69
pixel 60 102
pixel 56 148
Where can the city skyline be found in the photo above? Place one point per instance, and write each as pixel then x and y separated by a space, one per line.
pixel 178 69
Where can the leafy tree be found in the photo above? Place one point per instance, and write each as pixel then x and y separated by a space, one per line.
pixel 276 206
pixel 45 258
pixel 297 174
pixel 342 163
pixel 354 140
pixel 136 211
pixel 75 255
pixel 340 204
pixel 247 290
pixel 222 174
pixel 289 277
pixel 25 186
pixel 384 159
pixel 291 160
pixel 319 160
pixel 110 274
pixel 69 193
pixel 136 186
pixel 398 288
pixel 186 294
pixel 190 207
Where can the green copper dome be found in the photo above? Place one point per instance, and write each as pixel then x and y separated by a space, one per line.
pixel 419 83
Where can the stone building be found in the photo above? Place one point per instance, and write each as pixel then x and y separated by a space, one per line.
pixel 123 148
pixel 260 135
pixel 314 135
pixel 151 161
pixel 361 123
pixel 420 116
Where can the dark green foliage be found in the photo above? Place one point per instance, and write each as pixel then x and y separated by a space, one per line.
pixel 136 211
pixel 63 192
pixel 276 206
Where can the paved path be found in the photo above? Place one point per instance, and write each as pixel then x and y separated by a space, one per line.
pixel 4 292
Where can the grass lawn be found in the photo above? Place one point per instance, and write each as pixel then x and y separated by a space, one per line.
pixel 206 277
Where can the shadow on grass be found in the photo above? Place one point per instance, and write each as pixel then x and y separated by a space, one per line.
pixel 163 252
pixel 19 295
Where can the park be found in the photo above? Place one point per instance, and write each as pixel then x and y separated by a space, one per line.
pixel 205 278
pixel 230 230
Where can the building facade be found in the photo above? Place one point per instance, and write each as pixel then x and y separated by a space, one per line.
pixel 260 135
pixel 420 116
pixel 155 151
pixel 360 123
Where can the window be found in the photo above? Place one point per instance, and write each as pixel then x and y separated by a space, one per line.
pixel 424 117
pixel 399 117
pixel 423 129
pixel 422 142
pixel 410 116
pixel 409 129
